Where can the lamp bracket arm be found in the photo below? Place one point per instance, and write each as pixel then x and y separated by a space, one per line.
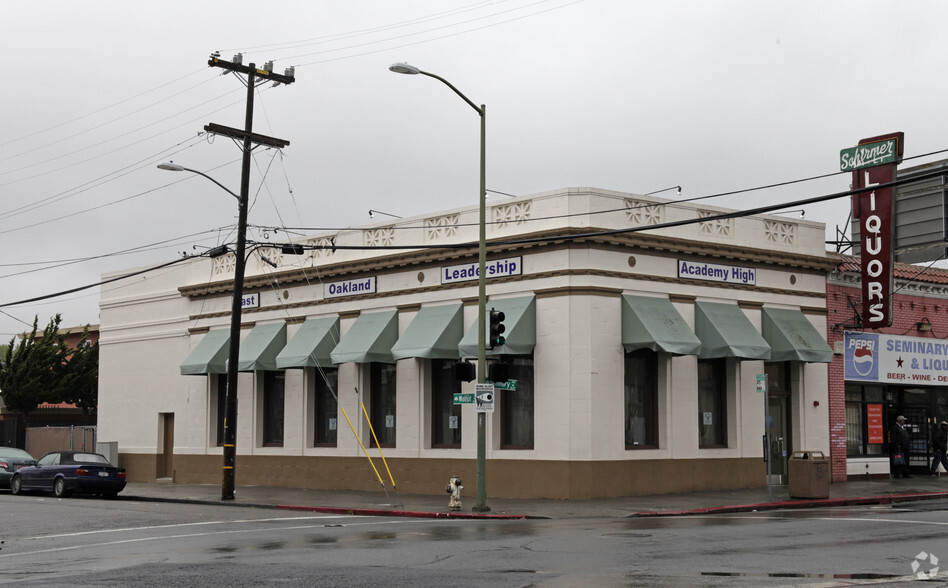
pixel 456 91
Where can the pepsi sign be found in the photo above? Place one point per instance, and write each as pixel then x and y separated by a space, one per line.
pixel 862 356
pixel 895 359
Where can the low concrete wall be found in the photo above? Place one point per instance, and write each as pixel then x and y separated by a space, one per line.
pixel 505 478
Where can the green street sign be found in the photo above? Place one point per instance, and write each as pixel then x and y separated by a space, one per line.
pixel 761 382
pixel 869 155
pixel 464 399
pixel 508 385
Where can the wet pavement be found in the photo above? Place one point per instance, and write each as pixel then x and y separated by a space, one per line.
pixel 392 503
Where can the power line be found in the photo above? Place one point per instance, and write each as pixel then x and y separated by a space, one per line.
pixel 361 32
pixel 508 242
pixel 120 148
pixel 97 284
pixel 100 126
pixel 113 105
pixel 55 264
pixel 423 41
pixel 438 28
pixel 102 180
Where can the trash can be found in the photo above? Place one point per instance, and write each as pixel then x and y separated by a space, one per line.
pixel 808 475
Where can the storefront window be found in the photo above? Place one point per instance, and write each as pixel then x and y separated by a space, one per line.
pixel 516 406
pixel 273 408
pixel 383 404
pixel 941 405
pixel 712 402
pixel 445 415
pixel 865 421
pixel 326 406
pixel 641 399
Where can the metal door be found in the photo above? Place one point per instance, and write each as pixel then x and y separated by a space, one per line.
pixel 916 423
pixel 778 428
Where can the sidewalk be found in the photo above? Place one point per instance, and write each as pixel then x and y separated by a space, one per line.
pixel 436 506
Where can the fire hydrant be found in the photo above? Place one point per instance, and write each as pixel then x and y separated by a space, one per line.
pixel 454 489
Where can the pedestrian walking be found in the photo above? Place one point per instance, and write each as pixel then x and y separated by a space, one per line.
pixel 940 445
pixel 900 444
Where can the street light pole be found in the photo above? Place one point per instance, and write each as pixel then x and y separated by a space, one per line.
pixel 481 501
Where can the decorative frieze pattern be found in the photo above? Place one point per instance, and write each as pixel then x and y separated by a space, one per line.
pixel 224 265
pixel 515 213
pixel 274 255
pixel 719 227
pixel 780 232
pixel 441 227
pixel 379 237
pixel 324 243
pixel 639 213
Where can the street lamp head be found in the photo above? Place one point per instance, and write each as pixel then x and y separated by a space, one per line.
pixel 170 166
pixel 404 68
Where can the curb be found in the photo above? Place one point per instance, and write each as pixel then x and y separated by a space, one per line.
pixel 339 510
pixel 792 504
pixel 378 512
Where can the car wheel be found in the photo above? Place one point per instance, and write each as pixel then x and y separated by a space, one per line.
pixel 59 488
pixel 16 485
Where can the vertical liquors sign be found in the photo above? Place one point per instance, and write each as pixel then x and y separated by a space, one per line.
pixel 873 162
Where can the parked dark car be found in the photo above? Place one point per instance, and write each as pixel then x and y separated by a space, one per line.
pixel 12 459
pixel 66 472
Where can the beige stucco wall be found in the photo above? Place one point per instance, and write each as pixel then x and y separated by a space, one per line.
pixel 149 326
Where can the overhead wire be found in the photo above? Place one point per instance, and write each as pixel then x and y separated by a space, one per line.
pixel 423 41
pixel 56 264
pixel 438 28
pixel 100 126
pixel 97 182
pixel 94 285
pixel 117 149
pixel 362 32
pixel 104 108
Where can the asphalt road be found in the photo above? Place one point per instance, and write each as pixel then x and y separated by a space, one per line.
pixel 92 542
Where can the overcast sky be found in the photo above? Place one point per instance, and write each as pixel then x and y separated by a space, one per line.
pixel 627 95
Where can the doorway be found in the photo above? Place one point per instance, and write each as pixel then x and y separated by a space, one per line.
pixel 779 431
pixel 165 458
pixel 917 425
pixel 777 426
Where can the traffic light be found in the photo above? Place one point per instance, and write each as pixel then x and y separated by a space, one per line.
pixel 464 370
pixel 495 332
pixel 498 372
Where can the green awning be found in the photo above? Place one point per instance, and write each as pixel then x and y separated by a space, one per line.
pixel 259 349
pixel 653 323
pixel 434 333
pixel 312 344
pixel 793 337
pixel 520 322
pixel 370 339
pixel 209 356
pixel 725 331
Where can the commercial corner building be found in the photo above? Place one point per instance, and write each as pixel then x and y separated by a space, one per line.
pixel 903 369
pixel 635 354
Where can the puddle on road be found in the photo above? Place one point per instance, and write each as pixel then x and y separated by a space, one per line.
pixel 801 575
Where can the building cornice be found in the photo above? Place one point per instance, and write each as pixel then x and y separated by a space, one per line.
pixel 553 240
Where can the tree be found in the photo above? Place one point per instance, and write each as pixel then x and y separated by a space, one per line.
pixel 80 382
pixel 43 368
pixel 32 368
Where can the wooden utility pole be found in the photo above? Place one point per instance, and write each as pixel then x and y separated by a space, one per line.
pixel 254 77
